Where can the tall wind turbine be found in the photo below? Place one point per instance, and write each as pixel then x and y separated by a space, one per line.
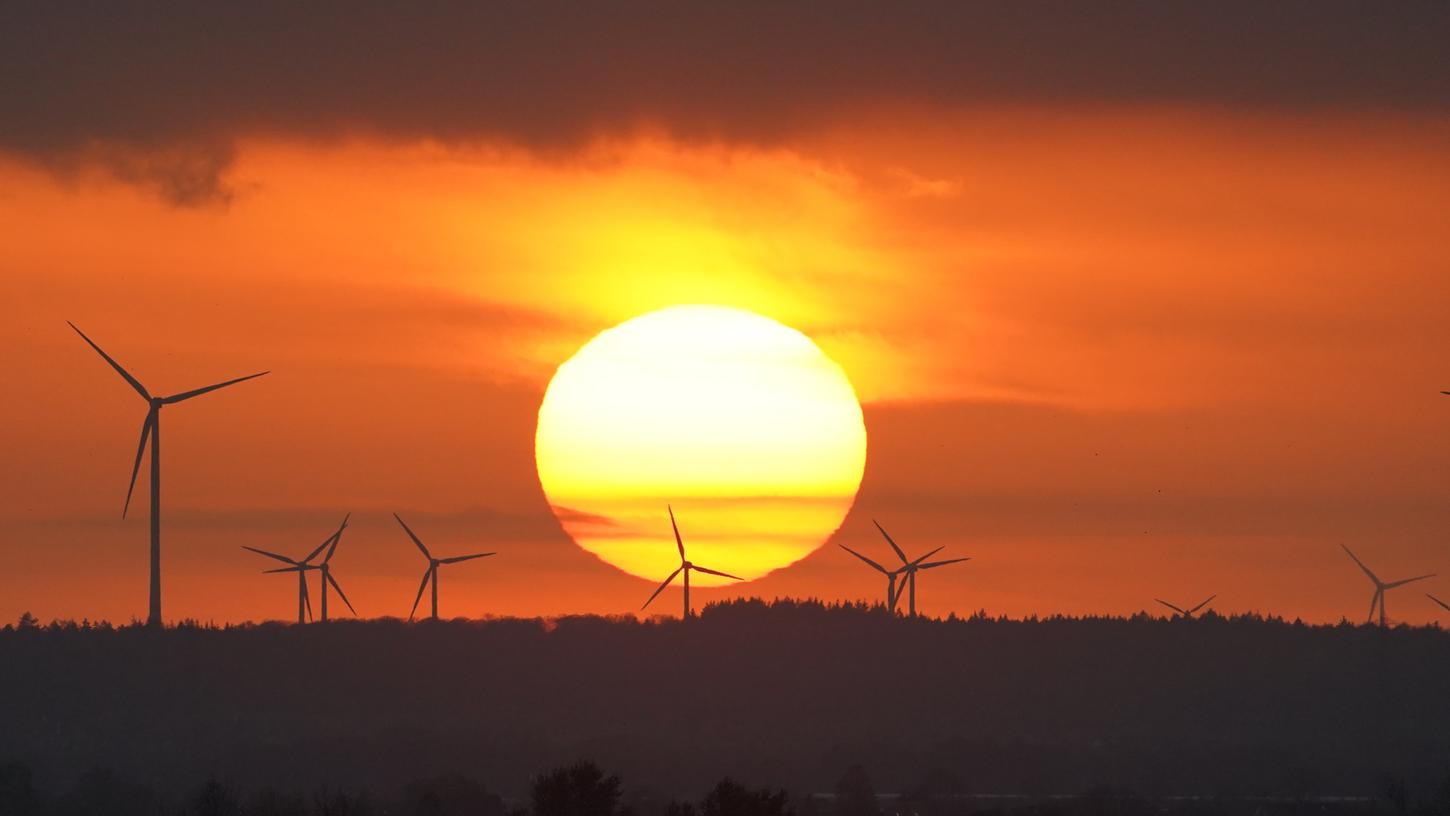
pixel 151 427
pixel 686 566
pixel 1378 599
pixel 431 574
pixel 890 576
pixel 304 603
pixel 909 569
pixel 1186 613
pixel 326 569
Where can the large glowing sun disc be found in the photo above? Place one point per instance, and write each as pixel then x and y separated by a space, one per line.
pixel 743 424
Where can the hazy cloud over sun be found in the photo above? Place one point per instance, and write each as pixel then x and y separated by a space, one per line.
pixel 158 93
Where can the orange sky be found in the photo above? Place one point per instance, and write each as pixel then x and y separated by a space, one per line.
pixel 1110 352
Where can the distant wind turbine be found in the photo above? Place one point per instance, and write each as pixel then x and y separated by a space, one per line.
pixel 1186 613
pixel 1378 599
pixel 431 574
pixel 686 567
pixel 909 569
pixel 891 576
pixel 304 603
pixel 151 428
pixel 326 569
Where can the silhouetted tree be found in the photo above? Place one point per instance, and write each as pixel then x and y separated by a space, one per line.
pixel 854 794
pixel 339 803
pixel 269 802
pixel 730 798
pixel 17 790
pixel 214 799
pixel 451 795
pixel 1395 791
pixel 100 791
pixel 581 789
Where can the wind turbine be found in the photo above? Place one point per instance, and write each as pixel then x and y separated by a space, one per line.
pixel 686 567
pixel 151 428
pixel 890 576
pixel 431 574
pixel 326 570
pixel 909 569
pixel 1186 613
pixel 304 603
pixel 1378 599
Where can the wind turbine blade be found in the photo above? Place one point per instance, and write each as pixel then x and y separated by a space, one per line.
pixel 140 451
pixel 140 389
pixel 1409 581
pixel 890 540
pixel 196 392
pixel 1371 575
pixel 1170 606
pixel 281 558
pixel 1374 602
pixel 280 569
pixel 411 535
pixel 455 559
pixel 307 599
pixel 340 593
pixel 428 573
pixel 932 564
pixel 1438 601
pixel 320 548
pixel 698 568
pixel 662 586
pixel 678 541
pixel 336 538
pixel 922 558
pixel 1202 605
pixel 873 564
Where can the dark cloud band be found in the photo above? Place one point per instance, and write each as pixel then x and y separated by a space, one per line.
pixel 548 74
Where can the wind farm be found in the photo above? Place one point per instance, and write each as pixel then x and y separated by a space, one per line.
pixel 924 408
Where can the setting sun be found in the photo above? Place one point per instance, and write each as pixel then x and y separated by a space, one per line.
pixel 753 434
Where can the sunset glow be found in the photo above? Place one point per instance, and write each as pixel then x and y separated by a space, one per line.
pixel 741 423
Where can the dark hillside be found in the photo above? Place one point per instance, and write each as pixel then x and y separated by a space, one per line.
pixel 787 694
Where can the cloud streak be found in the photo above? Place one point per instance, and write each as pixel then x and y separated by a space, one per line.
pixel 162 91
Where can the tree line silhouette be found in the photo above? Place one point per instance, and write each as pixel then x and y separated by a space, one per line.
pixel 584 789
pixel 785 694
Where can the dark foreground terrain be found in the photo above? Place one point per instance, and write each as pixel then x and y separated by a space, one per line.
pixel 1244 714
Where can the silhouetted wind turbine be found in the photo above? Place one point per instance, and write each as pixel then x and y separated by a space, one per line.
pixel 326 569
pixel 304 603
pixel 890 576
pixel 1378 599
pixel 909 569
pixel 431 574
pixel 1187 613
pixel 151 427
pixel 1442 604
pixel 686 567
